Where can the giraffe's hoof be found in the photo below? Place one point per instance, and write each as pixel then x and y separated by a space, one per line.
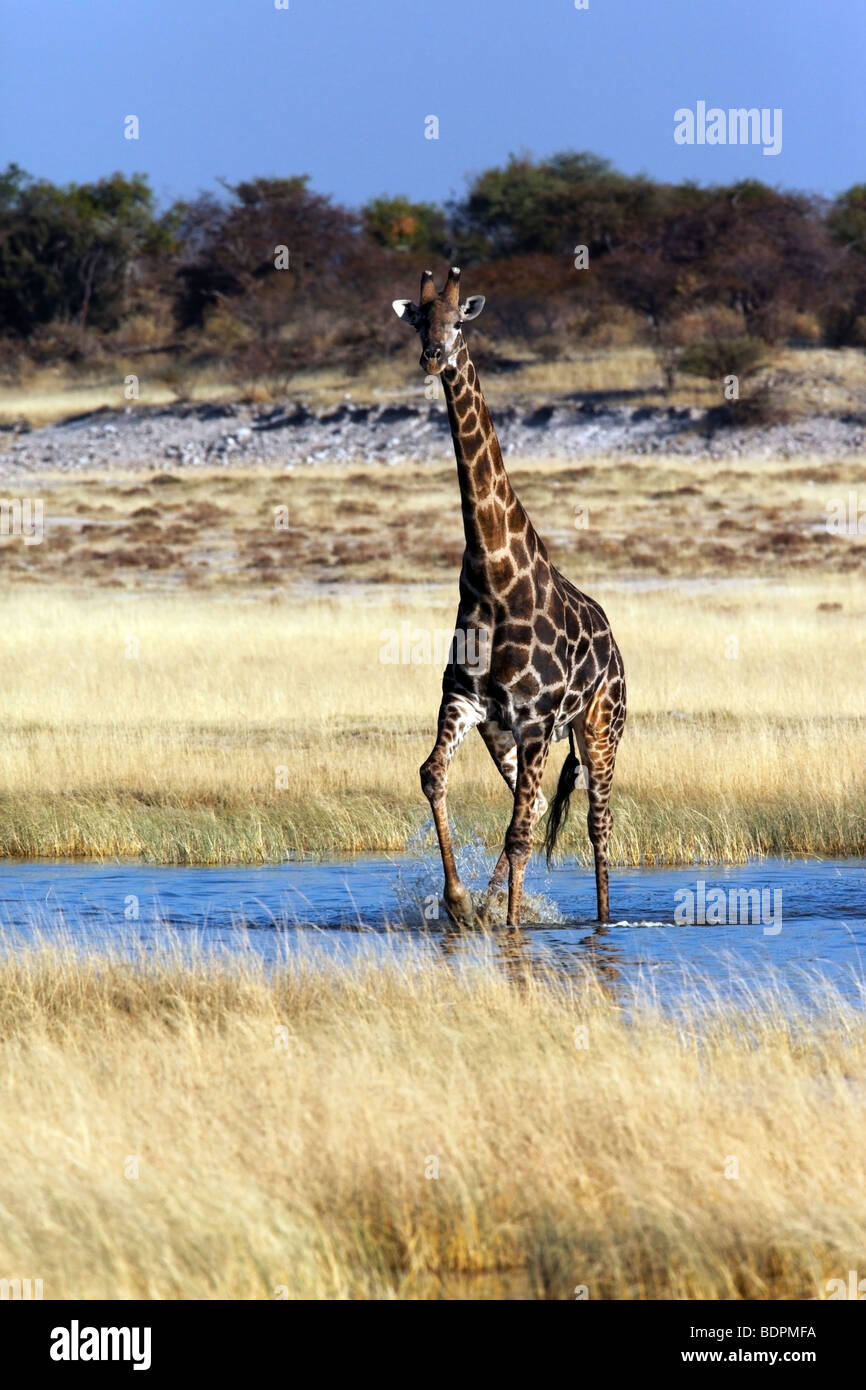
pixel 461 910
pixel 482 914
pixel 490 909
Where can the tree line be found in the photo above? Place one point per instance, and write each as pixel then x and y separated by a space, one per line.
pixel 270 277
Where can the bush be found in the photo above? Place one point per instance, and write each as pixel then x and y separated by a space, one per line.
pixel 67 344
pixel 717 358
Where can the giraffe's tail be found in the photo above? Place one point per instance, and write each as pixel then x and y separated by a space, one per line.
pixel 558 813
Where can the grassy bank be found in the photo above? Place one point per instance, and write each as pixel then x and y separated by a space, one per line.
pixel 206 729
pixel 193 1131
pixel 815 378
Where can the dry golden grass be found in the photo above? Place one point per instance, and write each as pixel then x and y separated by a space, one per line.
pixel 214 729
pixel 193 1131
pixel 268 529
pixel 49 394
pixel 815 378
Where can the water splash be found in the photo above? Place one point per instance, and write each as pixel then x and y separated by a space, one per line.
pixel 418 891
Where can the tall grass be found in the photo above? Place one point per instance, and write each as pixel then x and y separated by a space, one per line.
pixel 207 729
pixel 184 1129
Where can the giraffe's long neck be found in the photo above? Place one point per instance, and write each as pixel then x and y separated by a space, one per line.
pixel 492 512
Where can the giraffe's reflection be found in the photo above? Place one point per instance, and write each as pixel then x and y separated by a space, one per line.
pixel 540 954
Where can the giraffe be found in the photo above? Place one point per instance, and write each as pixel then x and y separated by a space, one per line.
pixel 533 659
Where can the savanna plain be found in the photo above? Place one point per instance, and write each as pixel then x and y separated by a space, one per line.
pixel 234 666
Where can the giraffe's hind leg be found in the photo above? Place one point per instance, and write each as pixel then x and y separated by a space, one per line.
pixel 501 746
pixel 598 736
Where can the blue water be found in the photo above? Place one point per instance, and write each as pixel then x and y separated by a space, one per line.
pixel 811 916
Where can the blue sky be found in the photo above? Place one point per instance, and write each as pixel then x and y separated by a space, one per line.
pixel 340 89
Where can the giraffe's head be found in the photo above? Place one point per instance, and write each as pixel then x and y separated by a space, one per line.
pixel 438 319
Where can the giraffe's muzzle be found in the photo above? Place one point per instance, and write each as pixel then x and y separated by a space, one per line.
pixel 432 359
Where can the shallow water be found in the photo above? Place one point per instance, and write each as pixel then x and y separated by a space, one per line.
pixel 806 923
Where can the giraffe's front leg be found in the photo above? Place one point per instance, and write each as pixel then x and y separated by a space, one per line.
pixel 456 717
pixel 532 750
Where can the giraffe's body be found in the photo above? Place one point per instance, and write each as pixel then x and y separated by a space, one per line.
pixel 534 659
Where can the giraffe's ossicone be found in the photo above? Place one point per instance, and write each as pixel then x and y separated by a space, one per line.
pixel 533 658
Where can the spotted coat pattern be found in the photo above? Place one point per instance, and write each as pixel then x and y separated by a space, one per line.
pixel 544 661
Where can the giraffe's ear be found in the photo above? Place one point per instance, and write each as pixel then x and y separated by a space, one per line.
pixel 471 308
pixel 405 309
